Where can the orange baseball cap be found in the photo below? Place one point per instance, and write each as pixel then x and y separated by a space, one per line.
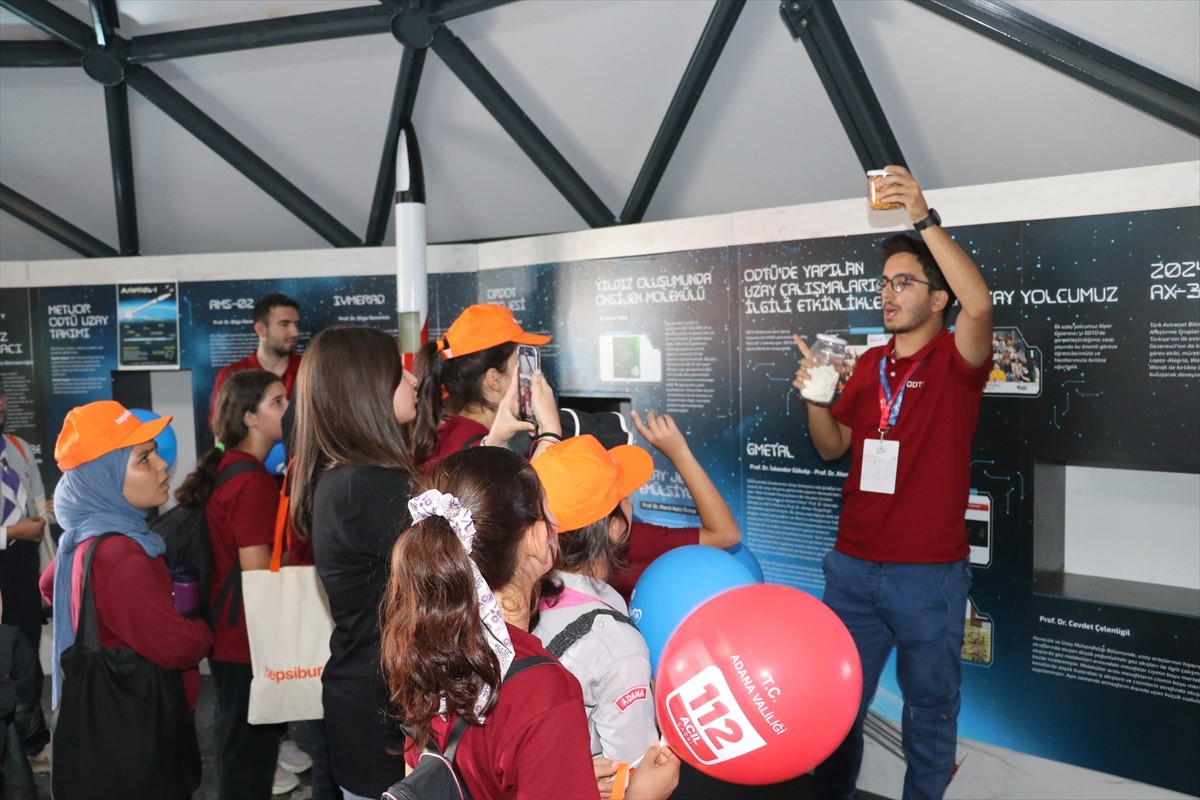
pixel 584 482
pixel 482 326
pixel 98 428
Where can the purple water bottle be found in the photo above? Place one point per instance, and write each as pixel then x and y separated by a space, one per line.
pixel 185 583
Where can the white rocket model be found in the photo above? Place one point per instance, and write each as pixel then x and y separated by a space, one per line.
pixel 412 294
pixel 166 296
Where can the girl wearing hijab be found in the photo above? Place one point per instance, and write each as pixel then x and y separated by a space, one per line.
pixel 463 585
pixel 467 386
pixel 247 420
pixel 586 623
pixel 349 493
pixel 112 476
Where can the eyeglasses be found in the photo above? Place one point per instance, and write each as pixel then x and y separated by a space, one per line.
pixel 901 282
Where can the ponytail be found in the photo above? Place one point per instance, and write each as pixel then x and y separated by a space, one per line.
pixel 432 642
pixel 428 365
pixel 197 487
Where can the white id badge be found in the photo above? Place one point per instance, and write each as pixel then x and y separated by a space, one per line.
pixel 880 457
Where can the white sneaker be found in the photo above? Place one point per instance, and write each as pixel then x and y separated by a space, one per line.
pixel 292 758
pixel 284 781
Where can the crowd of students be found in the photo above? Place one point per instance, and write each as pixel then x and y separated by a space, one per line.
pixel 445 556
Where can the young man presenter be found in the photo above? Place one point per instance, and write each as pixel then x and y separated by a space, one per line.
pixel 277 325
pixel 898 574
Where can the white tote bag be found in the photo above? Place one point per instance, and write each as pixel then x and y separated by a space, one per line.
pixel 289 624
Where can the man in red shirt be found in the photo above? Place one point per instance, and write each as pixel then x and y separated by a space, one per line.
pixel 277 323
pixel 899 574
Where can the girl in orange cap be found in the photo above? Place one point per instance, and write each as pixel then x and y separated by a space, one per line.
pixel 112 477
pixel 582 620
pixel 467 388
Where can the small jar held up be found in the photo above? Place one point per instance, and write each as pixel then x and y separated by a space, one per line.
pixel 874 185
pixel 829 354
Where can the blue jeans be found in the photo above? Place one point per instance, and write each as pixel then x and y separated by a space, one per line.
pixel 919 609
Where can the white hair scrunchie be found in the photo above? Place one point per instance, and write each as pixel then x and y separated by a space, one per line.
pixel 433 503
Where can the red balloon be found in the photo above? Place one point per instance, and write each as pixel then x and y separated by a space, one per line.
pixel 758 685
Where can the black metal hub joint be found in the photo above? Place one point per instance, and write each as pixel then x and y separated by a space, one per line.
pixel 104 68
pixel 413 29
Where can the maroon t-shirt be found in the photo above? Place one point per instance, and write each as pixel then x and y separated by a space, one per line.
pixel 251 362
pixel 457 433
pixel 241 513
pixel 646 543
pixel 535 744
pixel 135 608
pixel 924 520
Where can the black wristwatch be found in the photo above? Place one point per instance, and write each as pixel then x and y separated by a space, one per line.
pixel 929 221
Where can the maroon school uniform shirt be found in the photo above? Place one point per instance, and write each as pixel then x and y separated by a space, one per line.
pixel 646 543
pixel 135 608
pixel 251 362
pixel 241 513
pixel 457 433
pixel 535 744
pixel 924 520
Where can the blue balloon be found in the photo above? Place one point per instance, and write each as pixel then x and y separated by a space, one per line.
pixel 674 585
pixel 167 444
pixel 743 554
pixel 276 460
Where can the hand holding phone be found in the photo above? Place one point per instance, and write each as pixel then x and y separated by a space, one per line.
pixel 528 362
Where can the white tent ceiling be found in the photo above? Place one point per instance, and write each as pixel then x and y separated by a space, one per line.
pixel 596 77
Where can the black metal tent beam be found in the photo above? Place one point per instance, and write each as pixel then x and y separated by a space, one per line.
pixel 37 54
pixel 463 63
pixel 104 20
pixel 412 64
pixel 120 148
pixel 116 106
pixel 52 225
pixel 224 144
pixel 296 29
pixel 817 24
pixel 54 21
pixel 1163 98
pixel 704 59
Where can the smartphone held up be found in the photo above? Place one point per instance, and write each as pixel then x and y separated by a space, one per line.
pixel 528 362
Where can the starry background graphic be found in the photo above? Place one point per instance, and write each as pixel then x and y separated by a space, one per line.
pixel 19 360
pixel 562 300
pixel 1113 412
pixel 221 313
pixel 72 372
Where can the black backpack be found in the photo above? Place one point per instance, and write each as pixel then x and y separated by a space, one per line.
pixel 436 777
pixel 185 531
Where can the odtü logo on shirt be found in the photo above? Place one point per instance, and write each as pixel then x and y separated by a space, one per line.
pixel 632 696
